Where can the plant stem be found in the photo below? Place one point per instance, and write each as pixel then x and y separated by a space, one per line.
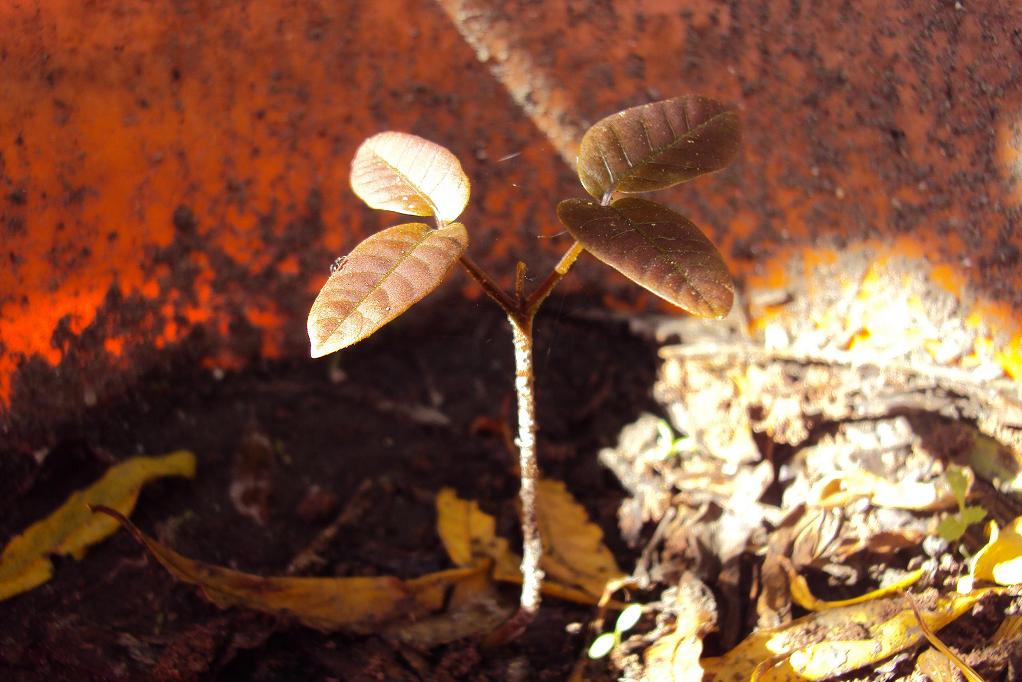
pixel 532 544
pixel 559 271
pixel 491 288
pixel 521 311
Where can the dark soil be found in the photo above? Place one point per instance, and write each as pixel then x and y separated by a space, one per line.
pixel 423 404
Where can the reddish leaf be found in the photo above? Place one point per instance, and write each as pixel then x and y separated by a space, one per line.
pixel 411 175
pixel 657 145
pixel 380 279
pixel 656 248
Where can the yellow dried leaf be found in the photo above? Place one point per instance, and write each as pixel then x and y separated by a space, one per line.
pixel 802 596
pixel 1010 630
pixel 966 670
pixel 470 536
pixel 818 646
pixel 574 558
pixel 840 488
pixel 360 604
pixel 1000 560
pixel 573 549
pixel 674 657
pixel 72 528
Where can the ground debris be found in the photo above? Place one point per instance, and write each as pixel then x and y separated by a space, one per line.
pixel 785 473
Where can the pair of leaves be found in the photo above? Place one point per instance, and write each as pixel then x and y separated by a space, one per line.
pixel 643 149
pixel 391 270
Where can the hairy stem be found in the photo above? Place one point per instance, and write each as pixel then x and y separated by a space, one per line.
pixel 532 547
pixel 521 311
pixel 532 544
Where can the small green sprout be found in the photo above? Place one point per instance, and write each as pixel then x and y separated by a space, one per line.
pixel 606 642
pixel 953 526
pixel 668 445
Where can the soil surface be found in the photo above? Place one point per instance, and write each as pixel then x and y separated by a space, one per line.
pixel 285 447
pixel 720 469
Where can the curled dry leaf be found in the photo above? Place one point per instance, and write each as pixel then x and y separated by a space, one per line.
pixel 72 528
pixel 359 604
pixel 655 247
pixel 834 642
pixel 1000 560
pixel 657 145
pixel 801 594
pixel 408 174
pixel 840 488
pixel 380 279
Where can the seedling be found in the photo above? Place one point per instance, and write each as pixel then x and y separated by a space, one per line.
pixel 642 149
pixel 668 445
pixel 607 641
pixel 953 526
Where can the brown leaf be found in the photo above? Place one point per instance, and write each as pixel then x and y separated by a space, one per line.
pixel 360 604
pixel 380 279
pixel 473 608
pixel 657 145
pixel 71 529
pixel 656 248
pixel 573 549
pixel 408 174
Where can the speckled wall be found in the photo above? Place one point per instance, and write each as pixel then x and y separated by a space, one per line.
pixel 175 171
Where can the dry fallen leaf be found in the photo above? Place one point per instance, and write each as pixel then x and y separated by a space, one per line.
pixel 835 641
pixel 935 641
pixel 935 666
pixel 840 488
pixel 474 608
pixel 1000 560
pixel 577 564
pixel 359 604
pixel 72 528
pixel 674 657
pixel 470 536
pixel 801 595
pixel 573 549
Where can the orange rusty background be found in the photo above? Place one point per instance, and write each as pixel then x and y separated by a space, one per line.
pixel 177 172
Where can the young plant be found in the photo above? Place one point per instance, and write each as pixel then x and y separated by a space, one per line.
pixel 642 149
pixel 607 641
pixel 953 526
